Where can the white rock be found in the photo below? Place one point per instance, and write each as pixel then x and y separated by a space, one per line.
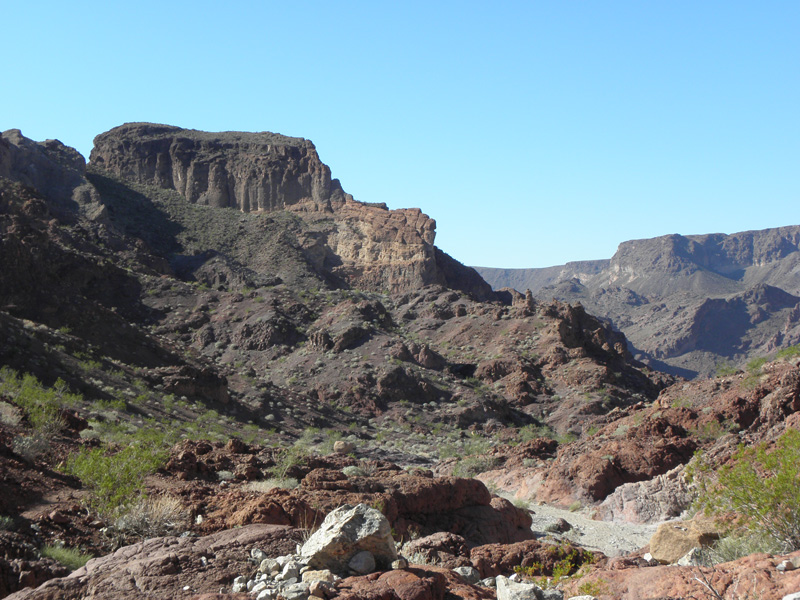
pixel 469 574
pixel 795 596
pixel 290 569
pixel 582 598
pixel 513 590
pixel 258 587
pixel 362 562
pixel 321 575
pixel 786 565
pixel 239 584
pixel 297 591
pixel 258 554
pixel 269 565
pixel 267 595
pixel 489 582
pixel 692 558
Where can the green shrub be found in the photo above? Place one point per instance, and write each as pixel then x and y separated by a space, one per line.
pixel 288 459
pixel 759 489
pixel 733 547
pixel 115 480
pixel 473 465
pixel 788 352
pixel 72 558
pixel 726 369
pixel 6 523
pixel 41 404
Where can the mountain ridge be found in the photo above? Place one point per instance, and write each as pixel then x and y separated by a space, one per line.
pixel 682 273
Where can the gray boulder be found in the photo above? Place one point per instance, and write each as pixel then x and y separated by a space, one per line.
pixel 513 590
pixel 347 531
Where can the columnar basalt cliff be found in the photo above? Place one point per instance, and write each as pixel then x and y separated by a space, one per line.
pixel 248 171
pixel 366 245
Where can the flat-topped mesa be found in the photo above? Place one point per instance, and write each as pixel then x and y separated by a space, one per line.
pixel 364 244
pixel 249 171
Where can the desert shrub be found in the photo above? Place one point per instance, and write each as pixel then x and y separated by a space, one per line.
pixel 759 490
pixel 726 369
pixel 9 414
pixel 72 558
pixel 225 475
pixel 354 471
pixel 31 447
pixel 6 523
pixel 788 352
pixel 288 459
pixel 473 465
pixel 733 547
pixel 42 405
pixel 155 517
pixel 270 484
pixel 114 480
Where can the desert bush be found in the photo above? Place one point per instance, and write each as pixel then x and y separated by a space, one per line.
pixel 473 465
pixel 734 547
pixel 758 490
pixel 6 523
pixel 288 459
pixel 225 475
pixel 354 471
pixel 72 558
pixel 114 480
pixel 42 405
pixel 155 517
pixel 31 447
pixel 270 484
pixel 788 352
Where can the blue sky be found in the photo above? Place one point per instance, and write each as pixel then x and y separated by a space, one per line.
pixel 533 132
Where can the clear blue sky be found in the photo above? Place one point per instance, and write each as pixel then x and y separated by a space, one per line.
pixel 533 132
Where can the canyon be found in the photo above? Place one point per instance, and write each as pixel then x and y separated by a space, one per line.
pixel 218 303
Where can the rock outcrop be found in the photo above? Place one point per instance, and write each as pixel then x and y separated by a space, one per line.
pixel 363 244
pixel 54 170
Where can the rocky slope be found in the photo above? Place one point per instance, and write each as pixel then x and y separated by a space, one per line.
pixel 284 361
pixel 686 303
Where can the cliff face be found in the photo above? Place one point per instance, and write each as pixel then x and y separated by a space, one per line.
pixel 248 171
pixel 364 245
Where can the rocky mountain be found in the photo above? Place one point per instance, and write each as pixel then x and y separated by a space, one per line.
pixel 686 303
pixel 250 352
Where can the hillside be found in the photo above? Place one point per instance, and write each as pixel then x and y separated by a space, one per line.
pixel 210 320
pixel 687 304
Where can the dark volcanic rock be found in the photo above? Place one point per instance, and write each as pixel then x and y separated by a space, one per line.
pixel 166 567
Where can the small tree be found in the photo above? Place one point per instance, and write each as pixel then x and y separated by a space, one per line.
pixel 760 490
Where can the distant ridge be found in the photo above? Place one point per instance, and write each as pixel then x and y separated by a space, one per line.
pixel 656 291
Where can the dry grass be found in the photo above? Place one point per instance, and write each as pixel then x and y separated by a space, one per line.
pixel 270 484
pixel 155 517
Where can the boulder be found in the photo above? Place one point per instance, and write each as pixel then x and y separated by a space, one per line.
pixel 347 531
pixel 671 541
pixel 513 590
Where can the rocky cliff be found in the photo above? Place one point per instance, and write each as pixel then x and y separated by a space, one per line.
pixel 687 302
pixel 361 244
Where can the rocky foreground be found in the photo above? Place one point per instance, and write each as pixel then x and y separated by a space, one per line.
pixel 270 351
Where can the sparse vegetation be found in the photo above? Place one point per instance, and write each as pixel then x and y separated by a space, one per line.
pixel 758 492
pixel 115 479
pixel 72 558
pixel 155 517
